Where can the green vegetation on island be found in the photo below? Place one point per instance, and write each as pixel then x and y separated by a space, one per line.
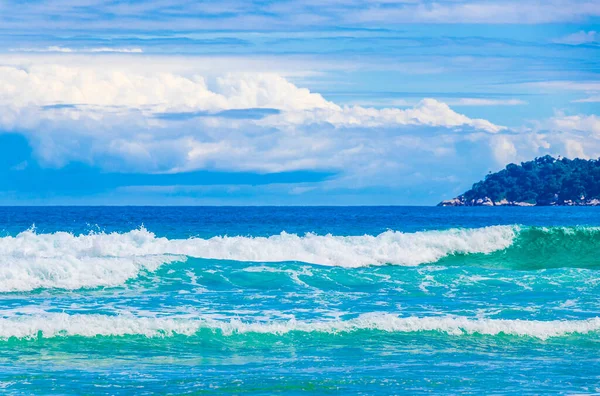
pixel 543 181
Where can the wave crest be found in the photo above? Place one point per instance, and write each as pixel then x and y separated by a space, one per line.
pixel 64 325
pixel 390 247
pixel 63 260
pixel 72 272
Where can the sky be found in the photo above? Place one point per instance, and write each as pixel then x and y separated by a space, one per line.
pixel 329 102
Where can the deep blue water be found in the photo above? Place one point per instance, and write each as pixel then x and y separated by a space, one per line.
pixel 259 300
pixel 265 221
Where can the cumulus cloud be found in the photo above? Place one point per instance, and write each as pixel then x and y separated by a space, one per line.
pixel 588 124
pixel 504 149
pixel 51 84
pixel 517 147
pixel 572 136
pixel 155 119
pixel 574 149
pixel 93 88
pixel 162 119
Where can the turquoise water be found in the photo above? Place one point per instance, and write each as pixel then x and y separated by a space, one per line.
pixel 299 300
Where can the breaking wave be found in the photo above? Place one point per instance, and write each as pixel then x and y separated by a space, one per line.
pixel 62 260
pixel 390 247
pixel 64 325
pixel 73 272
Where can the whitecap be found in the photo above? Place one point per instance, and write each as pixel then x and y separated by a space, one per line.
pixel 64 325
pixel 63 260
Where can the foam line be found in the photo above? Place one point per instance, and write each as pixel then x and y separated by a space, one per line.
pixel 64 325
pixel 63 260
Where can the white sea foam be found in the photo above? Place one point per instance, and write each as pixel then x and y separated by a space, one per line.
pixel 71 272
pixel 387 248
pixel 63 325
pixel 63 260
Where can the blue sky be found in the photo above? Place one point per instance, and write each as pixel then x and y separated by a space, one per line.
pixel 288 102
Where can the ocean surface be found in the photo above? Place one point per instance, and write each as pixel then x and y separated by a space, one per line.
pixel 257 300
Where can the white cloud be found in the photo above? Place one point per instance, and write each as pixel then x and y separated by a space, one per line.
pixel 115 125
pixel 581 37
pixel 572 136
pixel 591 99
pixel 429 112
pixel 94 88
pixel 504 149
pixel 45 85
pixel 486 102
pixel 110 49
pixel 517 147
pixel 574 149
pixel 111 114
pixel 58 49
pixel 591 88
pixel 392 102
pixel 588 124
pixel 566 85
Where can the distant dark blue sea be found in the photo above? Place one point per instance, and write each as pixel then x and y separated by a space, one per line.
pixel 299 300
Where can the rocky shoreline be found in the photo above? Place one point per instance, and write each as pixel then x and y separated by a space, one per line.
pixel 462 201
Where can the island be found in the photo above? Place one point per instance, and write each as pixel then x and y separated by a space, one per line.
pixel 545 181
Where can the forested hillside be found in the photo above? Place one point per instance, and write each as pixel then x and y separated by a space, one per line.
pixel 543 181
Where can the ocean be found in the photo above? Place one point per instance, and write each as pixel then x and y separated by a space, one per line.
pixel 299 300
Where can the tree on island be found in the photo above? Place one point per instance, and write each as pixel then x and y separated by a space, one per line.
pixel 543 181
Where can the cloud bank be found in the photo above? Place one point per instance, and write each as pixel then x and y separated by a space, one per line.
pixel 154 117
pixel 166 121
